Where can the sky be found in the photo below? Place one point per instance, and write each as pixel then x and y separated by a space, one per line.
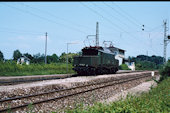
pixel 23 26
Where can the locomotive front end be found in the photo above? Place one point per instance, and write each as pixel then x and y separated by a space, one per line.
pixel 87 62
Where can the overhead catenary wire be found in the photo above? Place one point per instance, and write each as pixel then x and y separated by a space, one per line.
pixel 117 11
pixel 44 18
pixel 110 14
pixel 130 16
pixel 123 22
pixel 57 17
pixel 99 15
pixel 5 29
pixel 19 32
pixel 153 29
pixel 126 13
pixel 112 23
pixel 103 17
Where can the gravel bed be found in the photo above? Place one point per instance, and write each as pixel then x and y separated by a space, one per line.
pixel 38 87
pixel 137 91
pixel 88 98
pixel 70 102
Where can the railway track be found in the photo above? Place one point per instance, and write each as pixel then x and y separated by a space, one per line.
pixel 63 93
pixel 3 83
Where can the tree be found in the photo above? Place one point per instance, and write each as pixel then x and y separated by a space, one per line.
pixel 38 58
pixel 28 56
pixel 1 56
pixel 63 57
pixel 71 56
pixel 17 54
pixel 165 71
pixel 145 65
pixel 52 59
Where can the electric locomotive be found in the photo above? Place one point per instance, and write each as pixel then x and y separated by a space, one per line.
pixel 95 60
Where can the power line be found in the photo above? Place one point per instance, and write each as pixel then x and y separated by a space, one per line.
pixel 103 17
pixel 122 14
pixel 48 13
pixel 155 28
pixel 110 14
pixel 127 13
pixel 18 30
pixel 100 15
pixel 110 21
pixel 44 18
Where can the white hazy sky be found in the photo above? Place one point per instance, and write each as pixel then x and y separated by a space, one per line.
pixel 23 26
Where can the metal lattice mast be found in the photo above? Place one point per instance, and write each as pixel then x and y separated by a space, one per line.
pixel 97 34
pixel 165 40
pixel 46 48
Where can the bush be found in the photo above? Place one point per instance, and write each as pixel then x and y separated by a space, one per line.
pixel 124 67
pixel 11 68
pixel 146 65
pixel 165 71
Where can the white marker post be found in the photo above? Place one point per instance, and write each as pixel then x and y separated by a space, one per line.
pixel 153 73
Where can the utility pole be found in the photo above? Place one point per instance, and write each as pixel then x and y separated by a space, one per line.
pixel 46 48
pixel 67 57
pixel 165 41
pixel 67 52
pixel 97 34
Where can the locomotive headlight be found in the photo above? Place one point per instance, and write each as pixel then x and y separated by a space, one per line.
pixel 86 65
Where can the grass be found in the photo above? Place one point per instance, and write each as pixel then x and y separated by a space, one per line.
pixel 13 69
pixel 156 101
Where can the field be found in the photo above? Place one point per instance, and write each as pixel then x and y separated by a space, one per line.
pixel 156 101
pixel 13 69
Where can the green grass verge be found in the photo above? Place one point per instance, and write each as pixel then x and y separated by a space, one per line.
pixel 13 69
pixel 156 101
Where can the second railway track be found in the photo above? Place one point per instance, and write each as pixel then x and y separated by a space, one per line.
pixel 62 93
pixel 20 81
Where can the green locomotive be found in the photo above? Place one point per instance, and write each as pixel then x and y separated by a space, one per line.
pixel 95 60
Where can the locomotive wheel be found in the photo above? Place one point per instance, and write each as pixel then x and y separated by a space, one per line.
pixel 80 73
pixel 97 71
pixel 93 71
pixel 113 70
pixel 106 71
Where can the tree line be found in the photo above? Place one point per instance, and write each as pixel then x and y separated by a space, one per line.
pixel 144 62
pixel 39 58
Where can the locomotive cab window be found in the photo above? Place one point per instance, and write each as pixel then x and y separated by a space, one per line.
pixel 90 52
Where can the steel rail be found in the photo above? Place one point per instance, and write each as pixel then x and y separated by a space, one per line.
pixel 36 79
pixel 59 90
pixel 24 81
pixel 38 102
